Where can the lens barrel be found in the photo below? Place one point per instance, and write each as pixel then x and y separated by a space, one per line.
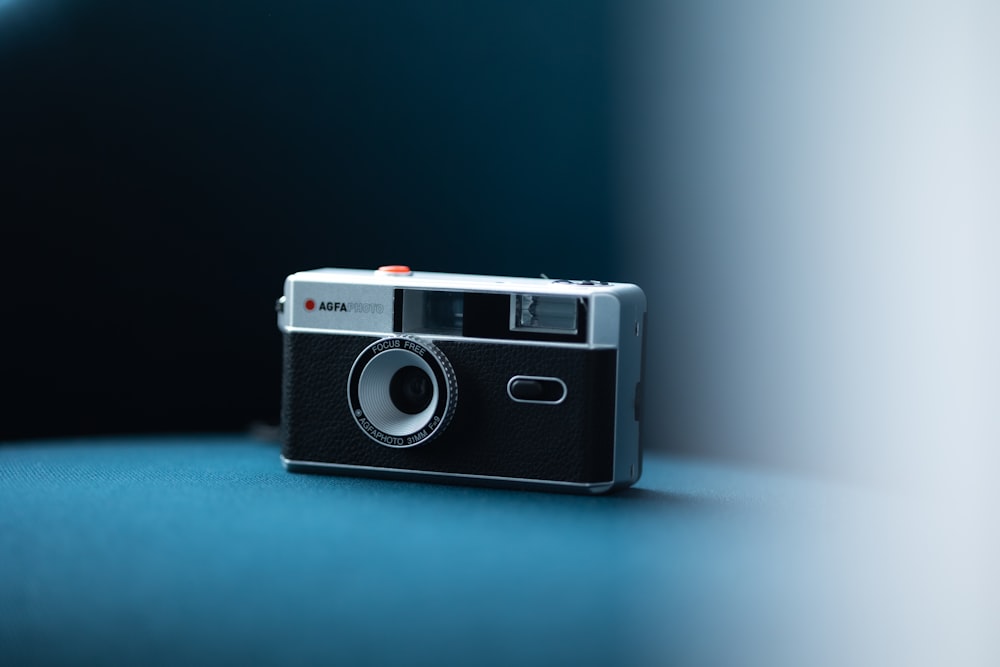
pixel 402 391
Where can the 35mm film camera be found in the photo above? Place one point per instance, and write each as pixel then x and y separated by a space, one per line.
pixel 523 382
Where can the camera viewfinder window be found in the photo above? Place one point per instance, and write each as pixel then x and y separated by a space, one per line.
pixel 432 312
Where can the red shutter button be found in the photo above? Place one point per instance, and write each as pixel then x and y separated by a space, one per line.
pixel 395 270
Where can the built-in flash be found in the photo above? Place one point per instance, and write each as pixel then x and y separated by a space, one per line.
pixel 543 313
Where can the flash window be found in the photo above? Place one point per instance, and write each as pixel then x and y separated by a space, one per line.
pixel 543 313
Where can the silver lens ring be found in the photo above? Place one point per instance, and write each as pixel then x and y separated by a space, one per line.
pixel 396 420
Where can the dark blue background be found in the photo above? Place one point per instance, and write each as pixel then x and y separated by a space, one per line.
pixel 165 166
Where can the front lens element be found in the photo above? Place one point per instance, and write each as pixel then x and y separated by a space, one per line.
pixel 411 390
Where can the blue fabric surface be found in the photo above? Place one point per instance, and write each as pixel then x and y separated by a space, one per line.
pixel 168 550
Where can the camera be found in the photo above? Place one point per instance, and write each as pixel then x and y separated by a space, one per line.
pixel 530 383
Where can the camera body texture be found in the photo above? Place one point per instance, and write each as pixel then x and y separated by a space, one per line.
pixel 517 382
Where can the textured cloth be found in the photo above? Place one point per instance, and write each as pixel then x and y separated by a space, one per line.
pixel 171 550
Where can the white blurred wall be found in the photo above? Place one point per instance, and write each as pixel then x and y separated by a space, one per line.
pixel 810 196
pixel 810 199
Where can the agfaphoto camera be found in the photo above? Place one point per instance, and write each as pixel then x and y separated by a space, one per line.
pixel 522 382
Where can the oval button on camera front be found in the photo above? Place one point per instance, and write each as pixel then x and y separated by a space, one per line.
pixel 526 390
pixel 534 389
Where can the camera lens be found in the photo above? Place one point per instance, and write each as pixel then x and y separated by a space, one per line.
pixel 402 391
pixel 411 390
